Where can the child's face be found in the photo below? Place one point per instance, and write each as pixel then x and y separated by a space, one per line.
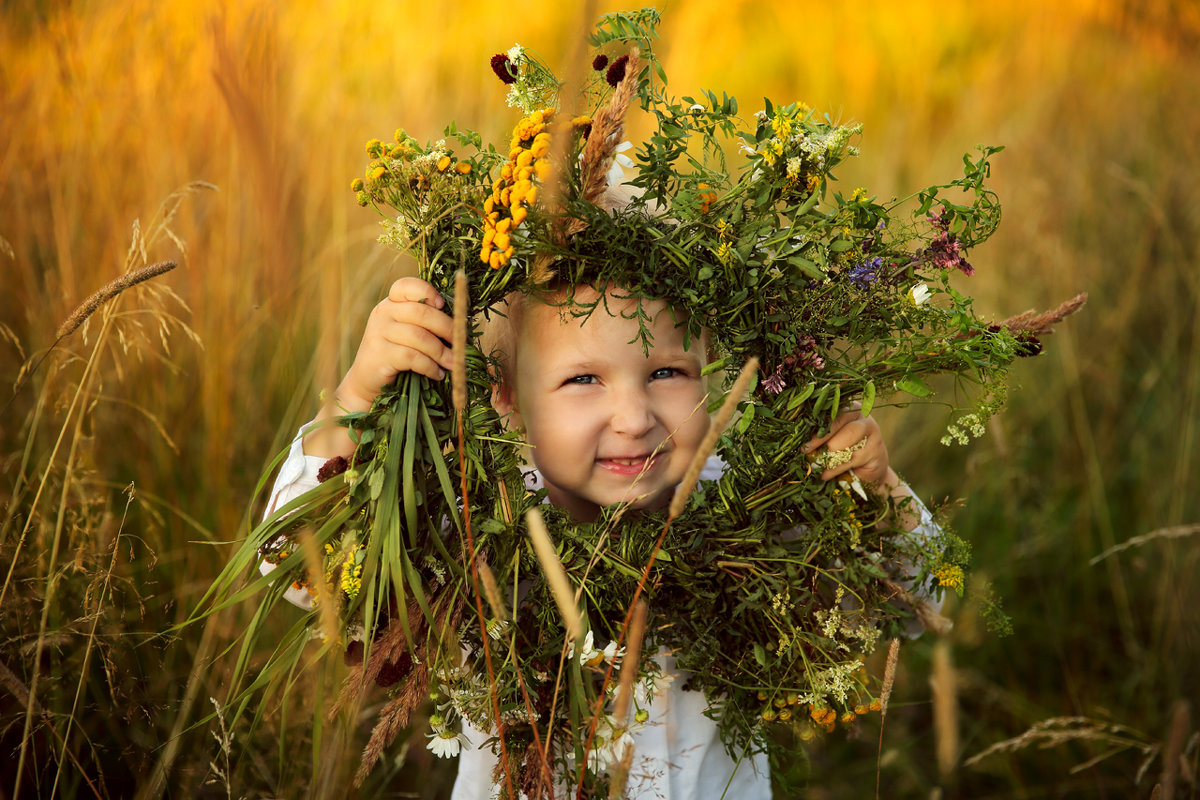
pixel 607 423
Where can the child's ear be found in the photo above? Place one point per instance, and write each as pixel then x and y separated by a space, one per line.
pixel 504 401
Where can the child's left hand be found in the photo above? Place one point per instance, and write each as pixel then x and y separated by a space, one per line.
pixel 854 442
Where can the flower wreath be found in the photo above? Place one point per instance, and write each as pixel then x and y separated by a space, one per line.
pixel 417 550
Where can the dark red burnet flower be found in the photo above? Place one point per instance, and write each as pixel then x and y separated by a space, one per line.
pixel 1028 344
pixel 502 66
pixel 354 653
pixel 331 468
pixel 616 71
pixel 393 672
pixel 599 62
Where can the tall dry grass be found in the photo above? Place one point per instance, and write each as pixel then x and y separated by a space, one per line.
pixel 108 109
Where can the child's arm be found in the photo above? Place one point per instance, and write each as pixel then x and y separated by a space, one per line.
pixel 869 461
pixel 403 334
pixel 406 332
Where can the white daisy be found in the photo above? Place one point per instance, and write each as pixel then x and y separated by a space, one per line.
pixel 919 294
pixel 446 744
pixel 589 656
pixel 616 174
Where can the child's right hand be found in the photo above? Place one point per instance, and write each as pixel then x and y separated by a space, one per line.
pixel 407 332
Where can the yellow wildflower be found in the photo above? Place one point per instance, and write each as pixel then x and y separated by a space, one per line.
pixel 949 576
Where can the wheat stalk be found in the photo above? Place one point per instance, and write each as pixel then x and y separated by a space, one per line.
pixel 556 576
pixel 491 590
pixel 945 709
pixel 458 344
pixel 1040 324
pixel 107 292
pixel 607 129
pixel 692 474
pixel 885 695
pixel 629 666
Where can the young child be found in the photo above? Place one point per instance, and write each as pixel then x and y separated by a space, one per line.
pixel 606 421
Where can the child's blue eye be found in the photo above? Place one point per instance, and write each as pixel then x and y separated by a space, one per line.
pixel 581 380
pixel 663 372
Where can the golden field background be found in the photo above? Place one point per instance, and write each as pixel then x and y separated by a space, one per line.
pixel 184 387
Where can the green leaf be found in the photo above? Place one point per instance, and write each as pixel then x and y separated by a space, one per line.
pixel 760 655
pixel 808 205
pixel 868 401
pixel 802 395
pixel 807 267
pixel 914 386
pixel 746 418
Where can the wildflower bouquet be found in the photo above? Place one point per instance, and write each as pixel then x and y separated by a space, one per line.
pixel 768 584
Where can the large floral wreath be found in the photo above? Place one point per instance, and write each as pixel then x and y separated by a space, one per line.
pixel 417 550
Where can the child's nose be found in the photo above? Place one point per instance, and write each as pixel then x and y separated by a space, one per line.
pixel 632 415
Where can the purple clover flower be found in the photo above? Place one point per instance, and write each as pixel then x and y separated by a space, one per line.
pixel 775 384
pixel 864 273
pixel 945 252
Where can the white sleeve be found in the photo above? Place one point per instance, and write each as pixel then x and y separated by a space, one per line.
pixel 923 532
pixel 296 476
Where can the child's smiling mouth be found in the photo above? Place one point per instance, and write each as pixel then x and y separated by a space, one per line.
pixel 631 465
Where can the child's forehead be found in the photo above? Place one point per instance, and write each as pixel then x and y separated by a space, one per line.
pixel 573 306
pixel 583 318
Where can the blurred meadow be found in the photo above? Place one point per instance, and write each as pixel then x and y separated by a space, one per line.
pixel 224 136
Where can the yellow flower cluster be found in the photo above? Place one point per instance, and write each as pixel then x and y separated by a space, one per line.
pixel 823 717
pixel 949 576
pixel 725 236
pixel 400 162
pixel 351 579
pixel 516 190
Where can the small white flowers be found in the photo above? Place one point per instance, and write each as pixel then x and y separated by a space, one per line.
pixel 957 431
pixel 919 294
pixel 589 656
pixel 515 53
pixel 616 174
pixel 696 108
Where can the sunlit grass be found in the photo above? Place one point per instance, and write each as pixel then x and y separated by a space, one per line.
pixel 108 108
